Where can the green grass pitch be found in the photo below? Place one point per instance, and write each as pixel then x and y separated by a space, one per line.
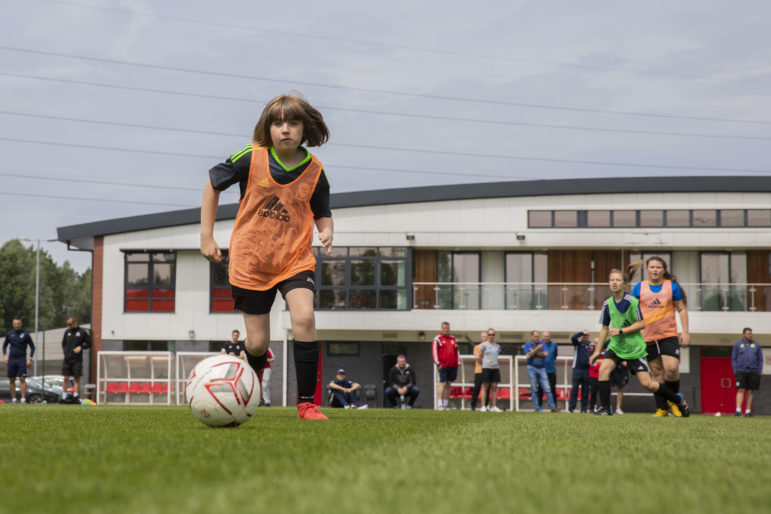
pixel 101 459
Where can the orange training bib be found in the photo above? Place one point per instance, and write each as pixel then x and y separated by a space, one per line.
pixel 272 235
pixel 658 311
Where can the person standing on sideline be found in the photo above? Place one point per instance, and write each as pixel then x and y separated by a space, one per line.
pixel 74 341
pixel 266 379
pixel 16 359
pixel 594 375
pixel 581 353
pixel 660 296
pixel 747 363
pixel 536 371
pixel 622 320
pixel 235 347
pixel 550 347
pixel 491 371
pixel 478 374
pixel 402 384
pixel 284 193
pixel 446 358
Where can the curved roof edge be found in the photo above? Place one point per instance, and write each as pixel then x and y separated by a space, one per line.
pixel 679 184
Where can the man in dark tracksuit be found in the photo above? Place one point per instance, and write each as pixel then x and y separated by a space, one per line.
pixel 747 363
pixel 16 359
pixel 581 354
pixel 75 340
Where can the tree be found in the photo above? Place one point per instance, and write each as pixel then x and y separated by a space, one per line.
pixel 63 291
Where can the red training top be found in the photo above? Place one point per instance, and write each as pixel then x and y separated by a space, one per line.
pixel 445 351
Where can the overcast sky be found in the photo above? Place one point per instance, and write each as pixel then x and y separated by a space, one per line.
pixel 119 108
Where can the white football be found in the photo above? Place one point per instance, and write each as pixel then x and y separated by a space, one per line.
pixel 222 391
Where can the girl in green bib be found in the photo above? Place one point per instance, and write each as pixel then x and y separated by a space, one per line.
pixel 622 320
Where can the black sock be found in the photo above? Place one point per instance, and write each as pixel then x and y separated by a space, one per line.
pixel 603 388
pixel 665 394
pixel 257 363
pixel 661 401
pixel 306 362
pixel 673 386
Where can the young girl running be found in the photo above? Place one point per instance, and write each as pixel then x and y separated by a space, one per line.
pixel 622 320
pixel 284 191
pixel 659 297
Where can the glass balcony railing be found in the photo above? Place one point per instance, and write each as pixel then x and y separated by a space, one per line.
pixel 577 296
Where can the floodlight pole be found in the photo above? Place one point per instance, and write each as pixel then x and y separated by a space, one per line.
pixel 37 302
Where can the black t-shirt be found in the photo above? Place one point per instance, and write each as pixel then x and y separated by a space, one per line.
pixel 234 348
pixel 236 170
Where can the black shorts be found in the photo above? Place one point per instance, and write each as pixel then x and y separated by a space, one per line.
pixel 633 365
pixel 667 346
pixel 490 375
pixel 748 380
pixel 17 367
pixel 448 374
pixel 73 368
pixel 620 376
pixel 260 302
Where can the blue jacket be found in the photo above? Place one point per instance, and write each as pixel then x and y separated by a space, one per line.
pixel 18 341
pixel 747 356
pixel 536 361
pixel 582 351
pixel 551 359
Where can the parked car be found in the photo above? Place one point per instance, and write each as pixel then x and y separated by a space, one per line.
pixel 35 391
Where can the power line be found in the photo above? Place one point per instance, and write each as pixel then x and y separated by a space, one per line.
pixel 379 91
pixel 416 150
pixel 562 161
pixel 102 182
pixel 408 115
pixel 359 42
pixel 91 199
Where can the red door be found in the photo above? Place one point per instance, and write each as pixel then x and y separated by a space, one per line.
pixel 718 391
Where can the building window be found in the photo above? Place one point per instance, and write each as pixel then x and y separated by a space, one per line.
pixel 539 219
pixel 220 294
pixel 732 218
pixel 526 277
pixel 624 219
pixel 461 272
pixel 653 218
pixel 719 272
pixel 565 219
pixel 342 348
pixel 649 218
pixel 598 219
pixel 704 218
pixel 363 278
pixel 759 217
pixel 678 218
pixel 150 280
pixel 148 346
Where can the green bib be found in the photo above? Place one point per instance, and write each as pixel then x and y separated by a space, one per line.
pixel 627 346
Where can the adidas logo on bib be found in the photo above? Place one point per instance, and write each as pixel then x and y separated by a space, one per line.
pixel 275 210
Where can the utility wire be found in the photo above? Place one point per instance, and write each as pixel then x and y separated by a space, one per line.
pixel 103 182
pixel 416 150
pixel 377 91
pixel 419 116
pixel 91 199
pixel 359 42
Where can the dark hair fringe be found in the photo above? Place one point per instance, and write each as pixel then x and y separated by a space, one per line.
pixel 291 107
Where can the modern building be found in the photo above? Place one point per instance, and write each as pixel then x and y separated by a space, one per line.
pixel 515 256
